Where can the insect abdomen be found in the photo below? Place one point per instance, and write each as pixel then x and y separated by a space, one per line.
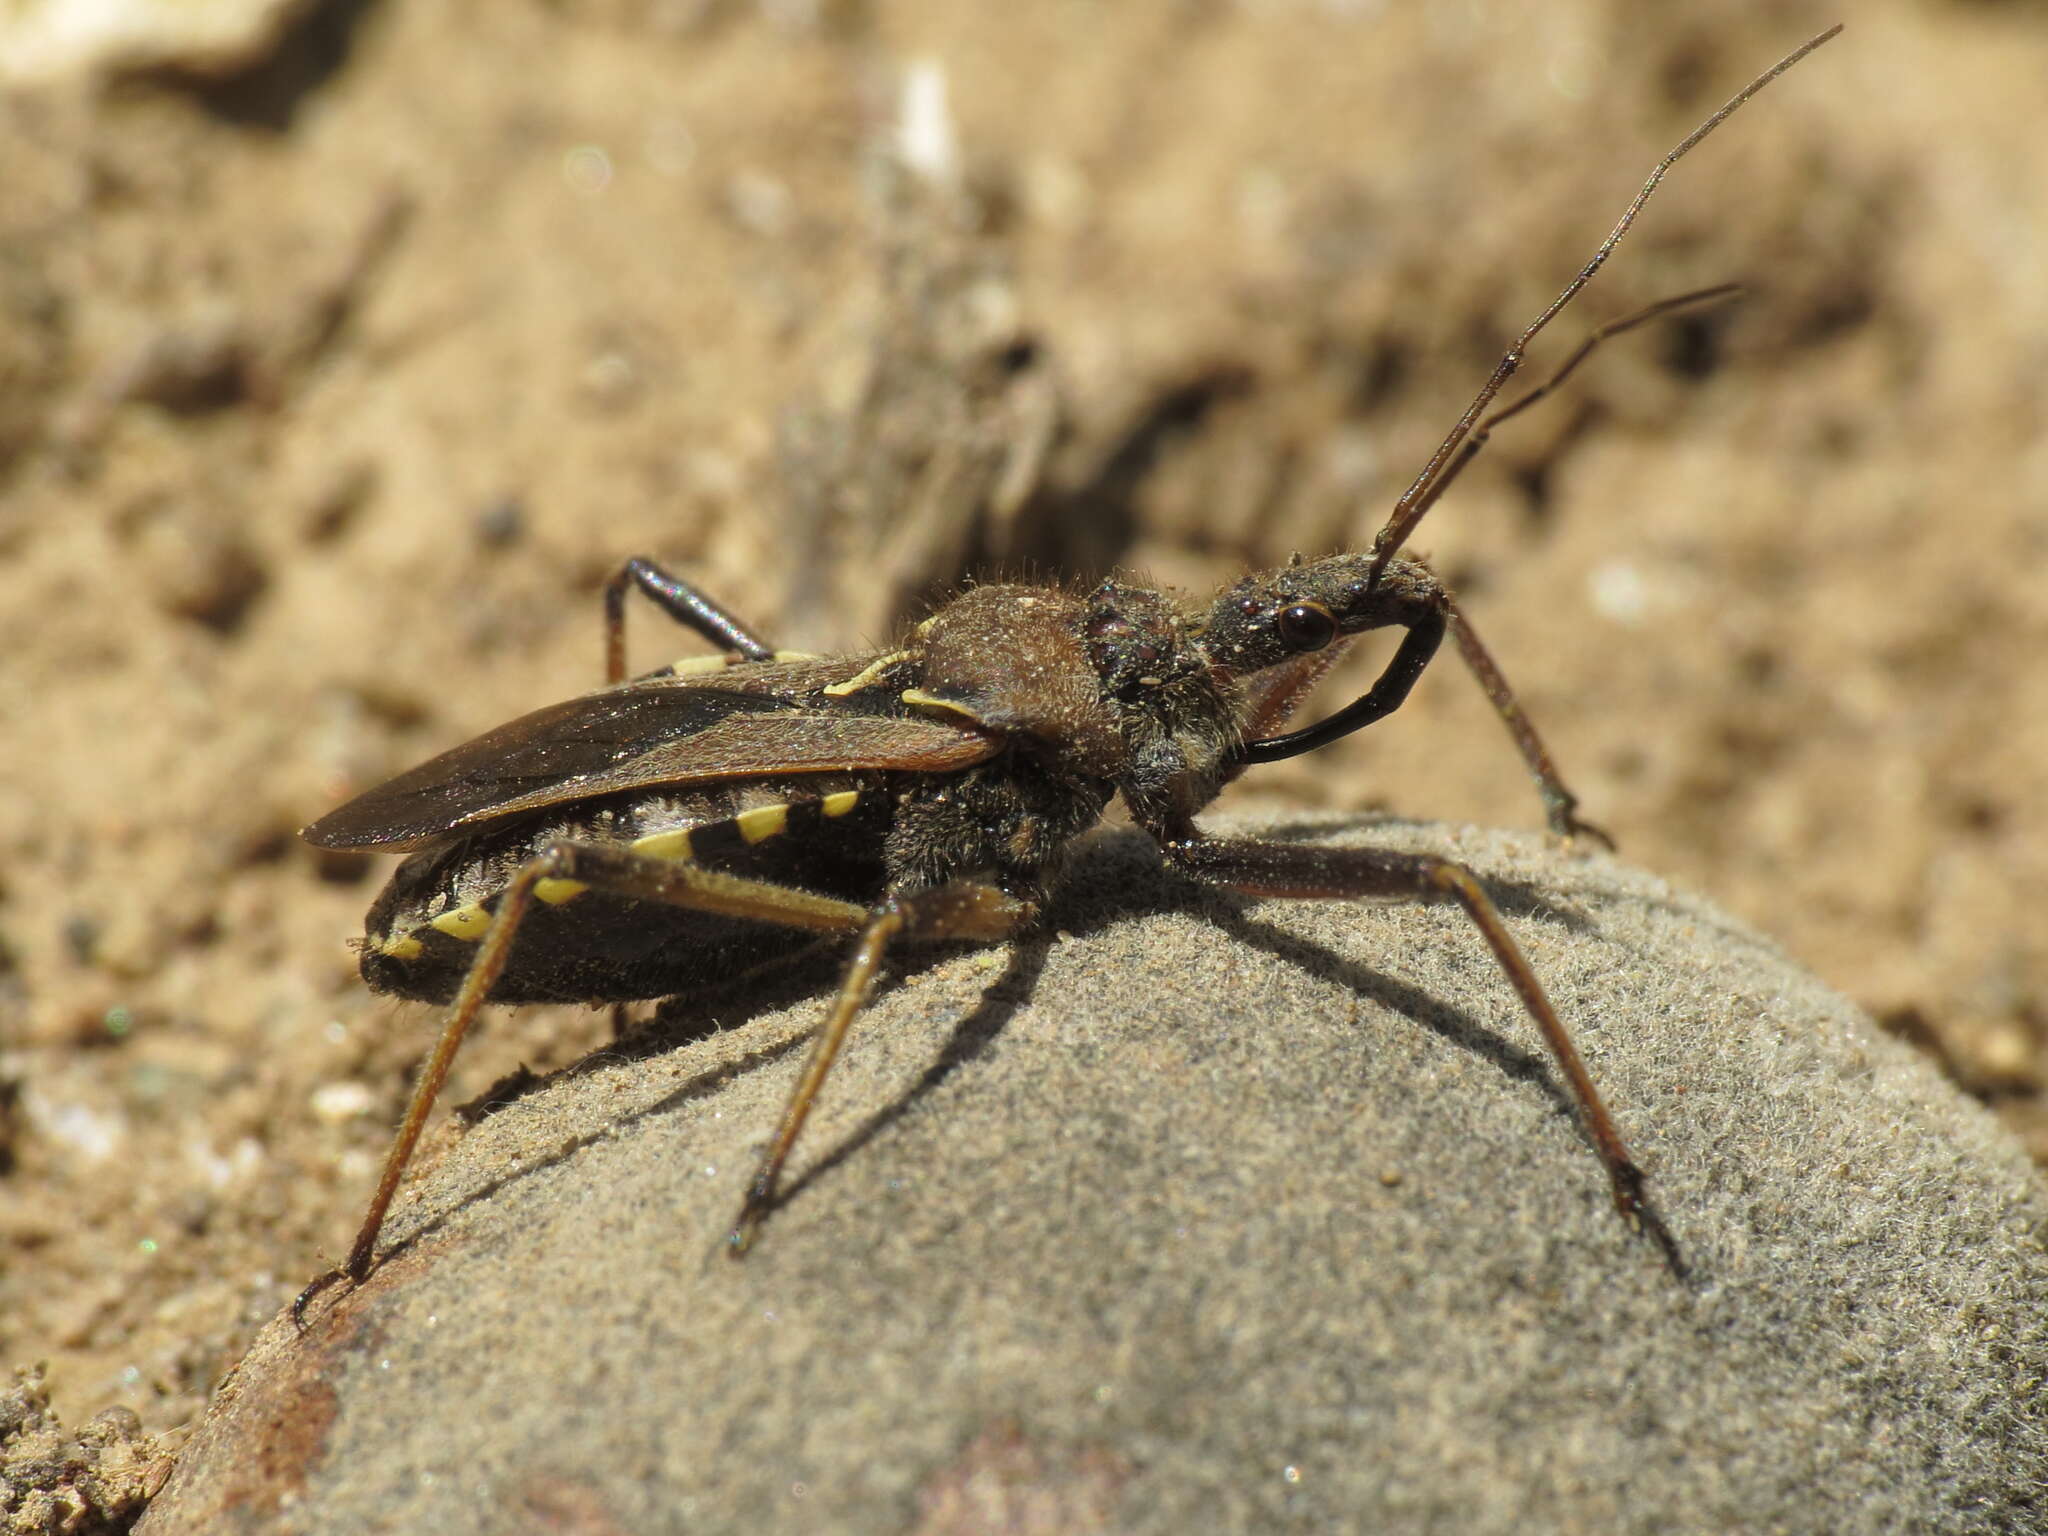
pixel 822 833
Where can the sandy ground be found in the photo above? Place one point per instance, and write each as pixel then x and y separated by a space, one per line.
pixel 331 389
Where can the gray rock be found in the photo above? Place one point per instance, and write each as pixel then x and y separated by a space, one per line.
pixel 1203 1215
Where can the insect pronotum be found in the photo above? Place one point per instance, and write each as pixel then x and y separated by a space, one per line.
pixel 668 830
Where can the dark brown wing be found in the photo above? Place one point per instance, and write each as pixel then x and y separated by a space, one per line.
pixel 641 736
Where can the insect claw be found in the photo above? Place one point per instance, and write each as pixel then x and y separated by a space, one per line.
pixel 1644 1220
pixel 1628 1194
pixel 748 1224
pixel 319 1284
pixel 1568 830
pixel 741 1237
pixel 1566 825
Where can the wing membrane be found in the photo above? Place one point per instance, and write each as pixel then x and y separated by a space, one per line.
pixel 647 735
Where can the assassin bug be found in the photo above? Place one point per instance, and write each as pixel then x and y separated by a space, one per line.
pixel 679 827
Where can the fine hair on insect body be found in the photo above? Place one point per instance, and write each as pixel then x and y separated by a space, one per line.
pixel 673 829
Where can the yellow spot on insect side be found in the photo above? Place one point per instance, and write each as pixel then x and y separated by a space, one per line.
pixel 689 666
pixel 555 892
pixel 867 676
pixel 917 698
pixel 796 655
pixel 840 803
pixel 469 923
pixel 764 821
pixel 401 946
pixel 665 845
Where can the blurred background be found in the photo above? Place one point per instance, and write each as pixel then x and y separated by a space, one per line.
pixel 345 349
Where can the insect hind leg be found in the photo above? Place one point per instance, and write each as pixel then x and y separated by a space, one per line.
pixel 687 604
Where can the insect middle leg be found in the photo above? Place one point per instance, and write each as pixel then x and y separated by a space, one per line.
pixel 963 910
pixel 1283 869
pixel 680 600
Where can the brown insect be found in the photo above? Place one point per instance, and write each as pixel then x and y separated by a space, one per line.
pixel 667 831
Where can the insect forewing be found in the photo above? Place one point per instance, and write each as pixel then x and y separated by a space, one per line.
pixel 645 735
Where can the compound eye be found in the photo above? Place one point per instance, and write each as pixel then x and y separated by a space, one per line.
pixel 1307 626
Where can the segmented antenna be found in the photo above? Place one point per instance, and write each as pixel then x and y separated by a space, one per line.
pixel 1445 464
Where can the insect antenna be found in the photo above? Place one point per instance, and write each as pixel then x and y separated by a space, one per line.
pixel 1479 435
pixel 1470 432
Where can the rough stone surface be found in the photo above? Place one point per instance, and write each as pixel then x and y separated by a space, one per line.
pixel 1203 1215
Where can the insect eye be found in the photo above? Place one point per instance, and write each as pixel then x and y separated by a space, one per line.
pixel 1108 626
pixel 1307 626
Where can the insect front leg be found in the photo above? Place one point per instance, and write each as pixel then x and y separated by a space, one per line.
pixel 570 866
pixel 1283 869
pixel 1411 598
pixel 1560 805
pixel 681 601
pixel 963 910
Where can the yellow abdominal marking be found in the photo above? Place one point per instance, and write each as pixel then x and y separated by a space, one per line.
pixel 469 923
pixel 762 822
pixel 796 656
pixel 666 845
pixel 472 921
pixel 866 677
